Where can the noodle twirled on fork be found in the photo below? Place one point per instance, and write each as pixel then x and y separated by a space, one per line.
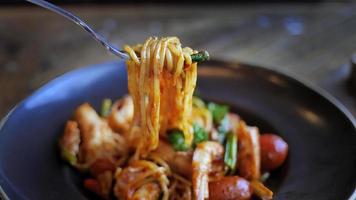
pixel 161 84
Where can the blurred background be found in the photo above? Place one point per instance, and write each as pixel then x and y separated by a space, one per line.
pixel 173 1
pixel 312 40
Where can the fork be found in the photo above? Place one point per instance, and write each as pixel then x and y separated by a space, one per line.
pixel 198 57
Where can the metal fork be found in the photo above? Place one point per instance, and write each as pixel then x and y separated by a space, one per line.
pixel 198 57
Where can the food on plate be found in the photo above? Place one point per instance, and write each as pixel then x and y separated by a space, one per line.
pixel 162 142
pixel 274 151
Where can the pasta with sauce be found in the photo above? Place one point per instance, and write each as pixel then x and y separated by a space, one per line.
pixel 161 142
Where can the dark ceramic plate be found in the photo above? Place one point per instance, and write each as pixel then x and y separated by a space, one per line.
pixel 320 132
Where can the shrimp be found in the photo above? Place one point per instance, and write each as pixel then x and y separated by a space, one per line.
pixel 204 154
pixel 121 115
pixel 88 143
pixel 180 162
pixel 69 143
pixel 249 152
pixel 98 141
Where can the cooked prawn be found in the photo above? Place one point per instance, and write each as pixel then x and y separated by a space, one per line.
pixel 204 154
pixel 98 141
pixel 179 162
pixel 69 143
pixel 249 152
pixel 121 115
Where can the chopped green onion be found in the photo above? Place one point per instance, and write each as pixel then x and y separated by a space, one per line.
pixel 68 156
pixel 201 56
pixel 176 138
pixel 222 129
pixel 198 103
pixel 224 125
pixel 230 157
pixel 200 135
pixel 264 177
pixel 218 111
pixel 105 107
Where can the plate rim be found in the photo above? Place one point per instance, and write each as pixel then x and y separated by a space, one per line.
pixel 281 72
pixel 300 80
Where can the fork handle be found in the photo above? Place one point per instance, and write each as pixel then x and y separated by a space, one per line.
pixel 198 57
pixel 82 24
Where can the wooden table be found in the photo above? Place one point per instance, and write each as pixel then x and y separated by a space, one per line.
pixel 310 41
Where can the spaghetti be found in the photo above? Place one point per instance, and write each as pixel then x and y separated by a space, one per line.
pixel 161 84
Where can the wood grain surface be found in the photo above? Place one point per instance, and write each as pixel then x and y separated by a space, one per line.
pixel 310 41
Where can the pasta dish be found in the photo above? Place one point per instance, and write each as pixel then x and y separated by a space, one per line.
pixel 163 142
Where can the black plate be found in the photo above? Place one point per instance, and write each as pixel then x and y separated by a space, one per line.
pixel 320 132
